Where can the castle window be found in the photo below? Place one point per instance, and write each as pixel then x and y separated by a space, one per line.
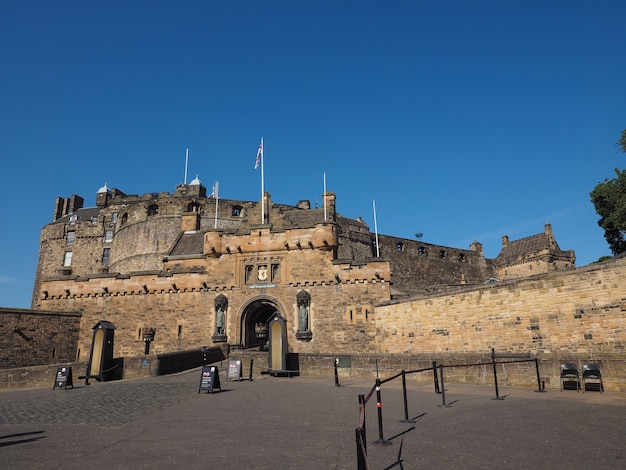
pixel 71 237
pixel 106 255
pixel 108 236
pixel 421 250
pixel 462 258
pixel 400 247
pixel 193 207
pixel 153 209
pixel 443 254
pixel 275 272
pixel 248 273
pixel 73 219
pixel 236 211
pixel 124 218
pixel 67 260
pixel 114 217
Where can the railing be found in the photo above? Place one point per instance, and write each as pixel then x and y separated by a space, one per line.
pixel 439 385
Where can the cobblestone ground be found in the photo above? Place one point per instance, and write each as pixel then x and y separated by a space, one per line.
pixel 102 404
pixel 305 423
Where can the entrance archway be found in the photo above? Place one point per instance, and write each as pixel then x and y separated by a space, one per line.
pixel 258 311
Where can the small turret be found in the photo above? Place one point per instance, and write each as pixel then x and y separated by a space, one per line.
pixel 102 196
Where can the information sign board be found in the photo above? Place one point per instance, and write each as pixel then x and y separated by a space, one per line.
pixel 209 380
pixel 63 378
pixel 234 370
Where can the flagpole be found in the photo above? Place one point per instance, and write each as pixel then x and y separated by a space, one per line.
pixel 324 197
pixel 186 164
pixel 217 199
pixel 376 230
pixel 262 184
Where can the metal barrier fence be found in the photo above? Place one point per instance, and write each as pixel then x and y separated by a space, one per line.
pixel 439 384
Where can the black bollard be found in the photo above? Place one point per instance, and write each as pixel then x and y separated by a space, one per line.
pixel 435 377
pixel 406 406
pixel 361 451
pixel 362 407
pixel 381 440
pixel 495 374
pixel 540 388
pixel 251 364
pixel 443 390
pixel 336 362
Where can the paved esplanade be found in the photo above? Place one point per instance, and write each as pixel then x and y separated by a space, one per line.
pixel 305 423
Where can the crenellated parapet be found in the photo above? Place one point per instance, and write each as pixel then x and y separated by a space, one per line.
pixel 263 239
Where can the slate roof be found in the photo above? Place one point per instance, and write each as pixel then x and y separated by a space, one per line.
pixel 82 215
pixel 189 243
pixel 534 246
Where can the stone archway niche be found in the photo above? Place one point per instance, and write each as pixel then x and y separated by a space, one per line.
pixel 257 311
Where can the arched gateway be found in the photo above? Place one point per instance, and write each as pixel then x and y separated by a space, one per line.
pixel 254 312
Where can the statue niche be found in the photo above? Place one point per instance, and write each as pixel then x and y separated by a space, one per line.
pixel 303 301
pixel 221 305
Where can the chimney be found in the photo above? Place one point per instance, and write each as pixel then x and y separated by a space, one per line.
pixel 60 208
pixel 76 202
pixel 329 198
pixel 548 230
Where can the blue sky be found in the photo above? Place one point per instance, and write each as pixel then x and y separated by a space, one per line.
pixel 463 120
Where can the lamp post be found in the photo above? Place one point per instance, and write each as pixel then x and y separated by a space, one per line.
pixel 148 337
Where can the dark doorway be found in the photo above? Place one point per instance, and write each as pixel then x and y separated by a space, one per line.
pixel 257 312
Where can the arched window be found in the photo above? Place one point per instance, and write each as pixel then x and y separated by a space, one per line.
pixel 124 218
pixel 236 211
pixel 193 207
pixel 153 209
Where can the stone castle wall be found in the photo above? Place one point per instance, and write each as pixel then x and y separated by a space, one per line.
pixel 29 338
pixel 183 311
pixel 578 312
pixel 420 267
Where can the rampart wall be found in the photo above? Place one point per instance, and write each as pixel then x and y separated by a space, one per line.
pixel 32 337
pixel 575 312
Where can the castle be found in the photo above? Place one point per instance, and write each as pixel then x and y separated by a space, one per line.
pixel 188 270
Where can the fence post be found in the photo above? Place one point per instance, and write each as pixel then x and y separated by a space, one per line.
pixel 443 390
pixel 406 405
pixel 495 374
pixel 539 388
pixel 435 377
pixel 361 451
pixel 379 405
pixel 362 424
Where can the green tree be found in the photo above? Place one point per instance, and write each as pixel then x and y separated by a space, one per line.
pixel 622 141
pixel 609 199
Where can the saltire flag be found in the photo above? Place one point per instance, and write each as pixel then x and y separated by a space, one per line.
pixel 259 155
pixel 215 189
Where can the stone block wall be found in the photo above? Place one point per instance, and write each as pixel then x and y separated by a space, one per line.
pixel 38 376
pixel 580 311
pixel 458 368
pixel 341 313
pixel 30 337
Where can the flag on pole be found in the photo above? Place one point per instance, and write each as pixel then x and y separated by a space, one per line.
pixel 214 191
pixel 259 155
